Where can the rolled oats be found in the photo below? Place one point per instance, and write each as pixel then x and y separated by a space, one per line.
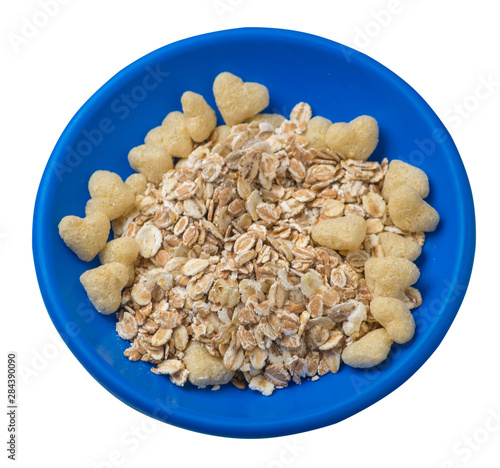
pixel 249 269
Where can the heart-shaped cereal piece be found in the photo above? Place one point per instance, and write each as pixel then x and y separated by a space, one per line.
pixel 316 132
pixel 343 233
pixel 104 286
pixel 356 139
pixel 238 101
pixel 395 245
pixel 123 250
pixel 151 161
pixel 389 276
pixel 200 117
pixel 369 351
pixel 85 236
pixel 395 317
pixel 222 132
pixel 173 136
pixel 138 183
pixel 401 173
pixel 409 212
pixel 110 195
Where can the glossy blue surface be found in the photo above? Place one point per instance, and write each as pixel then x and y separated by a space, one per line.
pixel 340 84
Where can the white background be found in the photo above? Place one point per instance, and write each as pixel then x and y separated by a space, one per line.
pixel 440 418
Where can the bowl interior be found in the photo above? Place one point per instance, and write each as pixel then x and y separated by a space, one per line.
pixel 340 84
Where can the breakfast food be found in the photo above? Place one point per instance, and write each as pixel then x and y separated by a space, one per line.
pixel 354 140
pixel 123 250
pixel 343 233
pixel 200 117
pixel 395 317
pixel 85 236
pixel 172 136
pixel 238 101
pixel 153 162
pixel 270 253
pixel 401 173
pixel 104 285
pixel 369 351
pixel 390 276
pixel 109 195
pixel 409 212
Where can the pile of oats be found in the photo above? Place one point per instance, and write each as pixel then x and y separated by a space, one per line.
pixel 226 258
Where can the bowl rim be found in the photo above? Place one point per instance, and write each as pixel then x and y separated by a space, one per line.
pixel 187 418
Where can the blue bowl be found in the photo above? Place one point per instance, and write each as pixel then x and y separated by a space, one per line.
pixel 340 84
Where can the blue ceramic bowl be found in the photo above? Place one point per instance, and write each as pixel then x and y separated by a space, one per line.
pixel 340 84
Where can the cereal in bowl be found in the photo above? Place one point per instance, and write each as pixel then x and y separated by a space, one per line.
pixel 273 252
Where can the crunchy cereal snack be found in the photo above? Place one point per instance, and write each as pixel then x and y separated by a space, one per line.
pixel 267 255
pixel 110 195
pixel 204 369
pixel 396 245
pixel 409 212
pixel 316 132
pixel 389 276
pixel 123 250
pixel 344 233
pixel 137 183
pixel 356 139
pixel 238 101
pixel 173 136
pixel 104 285
pixel 200 117
pixel 395 317
pixel 85 236
pixel 369 351
pixel 401 173
pixel 221 133
pixel 151 161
